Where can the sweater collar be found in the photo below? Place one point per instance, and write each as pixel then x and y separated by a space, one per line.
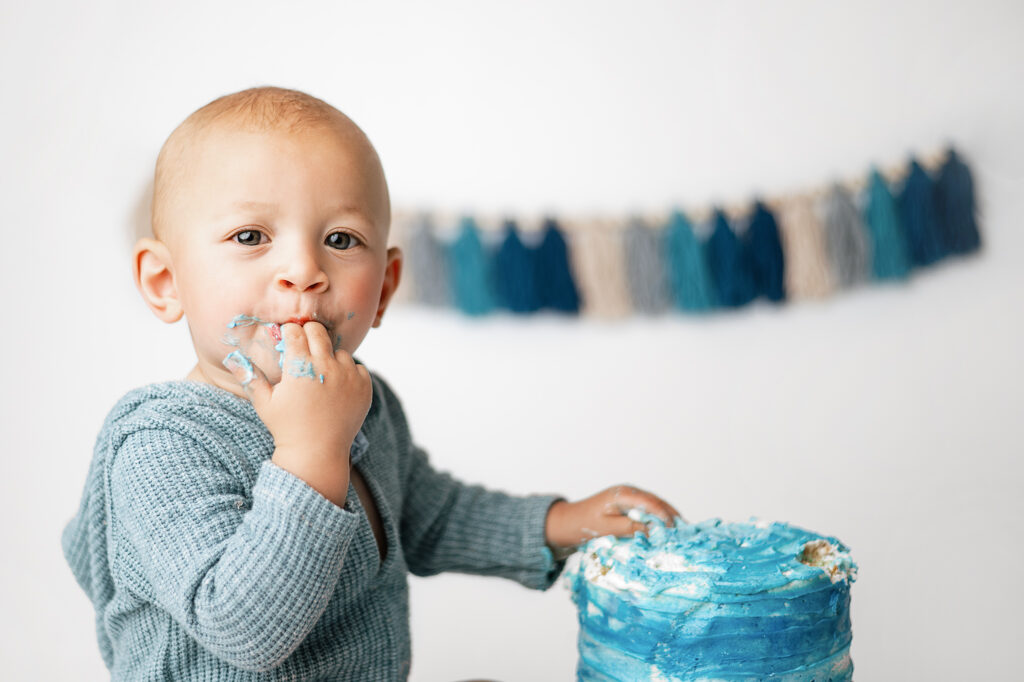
pixel 359 447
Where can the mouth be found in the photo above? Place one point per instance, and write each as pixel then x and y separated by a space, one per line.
pixel 275 328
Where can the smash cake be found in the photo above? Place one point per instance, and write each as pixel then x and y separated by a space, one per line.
pixel 714 601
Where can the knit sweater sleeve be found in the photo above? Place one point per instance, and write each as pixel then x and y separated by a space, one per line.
pixel 447 525
pixel 248 584
pixel 452 526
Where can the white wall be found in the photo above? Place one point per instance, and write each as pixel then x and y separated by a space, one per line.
pixel 890 417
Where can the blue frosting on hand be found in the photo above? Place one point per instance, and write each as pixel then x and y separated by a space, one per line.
pixel 714 600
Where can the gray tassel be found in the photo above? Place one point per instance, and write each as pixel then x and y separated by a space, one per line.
pixel 645 269
pixel 428 264
pixel 846 241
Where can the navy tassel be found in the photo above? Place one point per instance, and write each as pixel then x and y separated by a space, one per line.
pixel 470 271
pixel 917 209
pixel 730 265
pixel 686 266
pixel 766 260
pixel 890 259
pixel 555 286
pixel 958 222
pixel 514 270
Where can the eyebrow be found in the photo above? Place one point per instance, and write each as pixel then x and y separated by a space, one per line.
pixel 252 204
pixel 264 205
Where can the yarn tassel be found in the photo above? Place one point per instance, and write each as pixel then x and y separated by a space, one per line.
pixel 596 255
pixel 555 286
pixel 470 273
pixel 730 265
pixel 514 270
pixel 428 264
pixel 766 259
pixel 918 211
pixel 958 224
pixel 890 259
pixel 803 245
pixel 687 269
pixel 645 268
pixel 846 241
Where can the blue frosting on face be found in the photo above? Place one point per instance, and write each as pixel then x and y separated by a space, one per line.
pixel 299 367
pixel 714 600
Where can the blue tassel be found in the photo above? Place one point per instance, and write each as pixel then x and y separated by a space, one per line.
pixel 514 270
pixel 686 266
pixel 645 269
pixel 730 265
pixel 918 211
pixel 428 264
pixel 470 271
pixel 890 259
pixel 958 222
pixel 555 286
pixel 766 259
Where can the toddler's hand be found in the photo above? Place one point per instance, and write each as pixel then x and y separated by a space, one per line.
pixel 570 524
pixel 316 409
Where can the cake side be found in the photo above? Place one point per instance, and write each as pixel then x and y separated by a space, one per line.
pixel 714 601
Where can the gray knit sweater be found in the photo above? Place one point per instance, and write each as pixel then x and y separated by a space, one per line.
pixel 206 561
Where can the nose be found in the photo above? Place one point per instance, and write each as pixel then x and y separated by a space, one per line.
pixel 301 272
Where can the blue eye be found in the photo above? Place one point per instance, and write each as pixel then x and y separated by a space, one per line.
pixel 248 237
pixel 341 240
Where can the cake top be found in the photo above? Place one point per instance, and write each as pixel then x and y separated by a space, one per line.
pixel 716 560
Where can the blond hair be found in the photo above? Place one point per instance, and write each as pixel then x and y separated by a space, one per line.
pixel 255 109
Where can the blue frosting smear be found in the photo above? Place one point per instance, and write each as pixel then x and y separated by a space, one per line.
pixel 299 367
pixel 714 601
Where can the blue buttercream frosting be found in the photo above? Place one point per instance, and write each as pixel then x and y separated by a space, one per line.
pixel 714 601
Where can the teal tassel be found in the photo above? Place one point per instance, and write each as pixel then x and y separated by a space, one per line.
pixel 645 269
pixel 686 266
pixel 428 264
pixel 846 240
pixel 890 259
pixel 471 278
pixel 958 222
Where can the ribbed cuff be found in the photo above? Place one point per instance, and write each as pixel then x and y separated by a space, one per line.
pixel 535 546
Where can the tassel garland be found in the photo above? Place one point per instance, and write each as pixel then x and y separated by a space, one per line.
pixel 788 248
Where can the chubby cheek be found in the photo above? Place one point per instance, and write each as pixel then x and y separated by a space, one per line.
pixel 360 310
pixel 217 318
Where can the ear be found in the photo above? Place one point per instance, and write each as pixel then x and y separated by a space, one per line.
pixel 154 277
pixel 392 275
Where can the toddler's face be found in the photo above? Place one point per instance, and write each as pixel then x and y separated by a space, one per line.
pixel 274 227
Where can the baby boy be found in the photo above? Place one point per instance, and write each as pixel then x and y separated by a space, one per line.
pixel 257 520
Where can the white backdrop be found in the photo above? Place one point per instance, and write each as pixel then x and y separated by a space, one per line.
pixel 890 417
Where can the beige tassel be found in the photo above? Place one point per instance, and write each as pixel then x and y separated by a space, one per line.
pixel 803 243
pixel 596 256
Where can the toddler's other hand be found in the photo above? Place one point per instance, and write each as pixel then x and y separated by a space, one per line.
pixel 570 524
